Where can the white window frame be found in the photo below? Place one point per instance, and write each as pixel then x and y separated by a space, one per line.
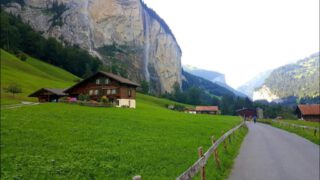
pixel 98 81
pixel 107 81
pixel 90 92
pixel 96 92
pixel 113 91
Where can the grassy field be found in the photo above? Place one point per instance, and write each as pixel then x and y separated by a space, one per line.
pixel 71 141
pixel 308 134
pixel 31 75
pixel 65 141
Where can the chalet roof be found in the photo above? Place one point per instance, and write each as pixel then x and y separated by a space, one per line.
pixel 59 92
pixel 243 109
pixel 207 108
pixel 119 78
pixel 309 109
pixel 109 75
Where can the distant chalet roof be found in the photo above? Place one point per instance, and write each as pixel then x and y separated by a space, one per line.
pixel 243 109
pixel 109 75
pixel 309 109
pixel 59 92
pixel 207 108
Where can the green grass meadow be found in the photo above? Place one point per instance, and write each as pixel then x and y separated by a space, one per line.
pixel 306 133
pixel 31 75
pixel 69 141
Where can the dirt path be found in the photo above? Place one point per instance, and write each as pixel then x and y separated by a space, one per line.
pixel 12 106
pixel 269 153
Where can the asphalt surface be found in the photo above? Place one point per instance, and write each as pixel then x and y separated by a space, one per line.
pixel 269 153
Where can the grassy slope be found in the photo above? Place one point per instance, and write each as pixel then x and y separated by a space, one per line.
pixel 308 134
pixel 70 141
pixel 108 142
pixel 31 75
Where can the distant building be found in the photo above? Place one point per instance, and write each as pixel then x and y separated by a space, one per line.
pixel 207 109
pixel 119 91
pixel 203 110
pixel 259 113
pixel 246 113
pixel 308 112
pixel 48 95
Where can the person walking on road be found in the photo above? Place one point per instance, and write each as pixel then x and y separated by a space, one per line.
pixel 254 119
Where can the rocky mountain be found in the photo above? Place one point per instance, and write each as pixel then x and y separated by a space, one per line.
pixel 299 80
pixel 256 82
pixel 122 33
pixel 206 74
pixel 213 76
pixel 189 80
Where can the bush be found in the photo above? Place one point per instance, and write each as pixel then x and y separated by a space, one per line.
pixel 84 97
pixel 22 56
pixel 104 100
pixel 14 89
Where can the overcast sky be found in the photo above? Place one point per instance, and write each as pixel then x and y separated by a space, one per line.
pixel 242 38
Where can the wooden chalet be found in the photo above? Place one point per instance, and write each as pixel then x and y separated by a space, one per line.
pixel 207 109
pixel 120 91
pixel 246 113
pixel 308 112
pixel 48 95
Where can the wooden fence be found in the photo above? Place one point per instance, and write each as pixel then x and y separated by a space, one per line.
pixel 200 164
pixel 314 129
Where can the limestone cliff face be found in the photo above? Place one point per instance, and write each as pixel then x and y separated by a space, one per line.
pixel 143 42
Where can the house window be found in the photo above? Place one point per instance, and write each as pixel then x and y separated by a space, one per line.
pixel 90 92
pixel 113 91
pixel 108 91
pixel 129 92
pixel 97 81
pixel 96 92
pixel 106 81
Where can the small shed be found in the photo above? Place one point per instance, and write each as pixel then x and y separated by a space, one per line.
pixel 48 95
pixel 207 109
pixel 246 112
pixel 308 112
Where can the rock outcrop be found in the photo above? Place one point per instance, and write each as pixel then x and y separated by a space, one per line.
pixel 123 32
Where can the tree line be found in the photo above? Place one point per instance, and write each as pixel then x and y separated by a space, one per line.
pixel 17 37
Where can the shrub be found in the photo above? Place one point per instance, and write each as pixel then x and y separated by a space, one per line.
pixel 104 100
pixel 14 89
pixel 84 97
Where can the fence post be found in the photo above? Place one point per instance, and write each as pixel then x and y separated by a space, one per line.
pixel 203 173
pixel 315 132
pixel 138 177
pixel 224 142
pixel 216 155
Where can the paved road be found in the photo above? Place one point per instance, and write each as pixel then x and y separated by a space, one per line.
pixel 269 153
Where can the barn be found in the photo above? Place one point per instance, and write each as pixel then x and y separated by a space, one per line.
pixel 48 95
pixel 246 112
pixel 308 112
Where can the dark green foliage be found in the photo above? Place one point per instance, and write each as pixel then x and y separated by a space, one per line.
pixel 14 89
pixel 300 79
pixel 145 87
pixel 84 97
pixel 22 56
pixel 21 2
pixel 15 36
